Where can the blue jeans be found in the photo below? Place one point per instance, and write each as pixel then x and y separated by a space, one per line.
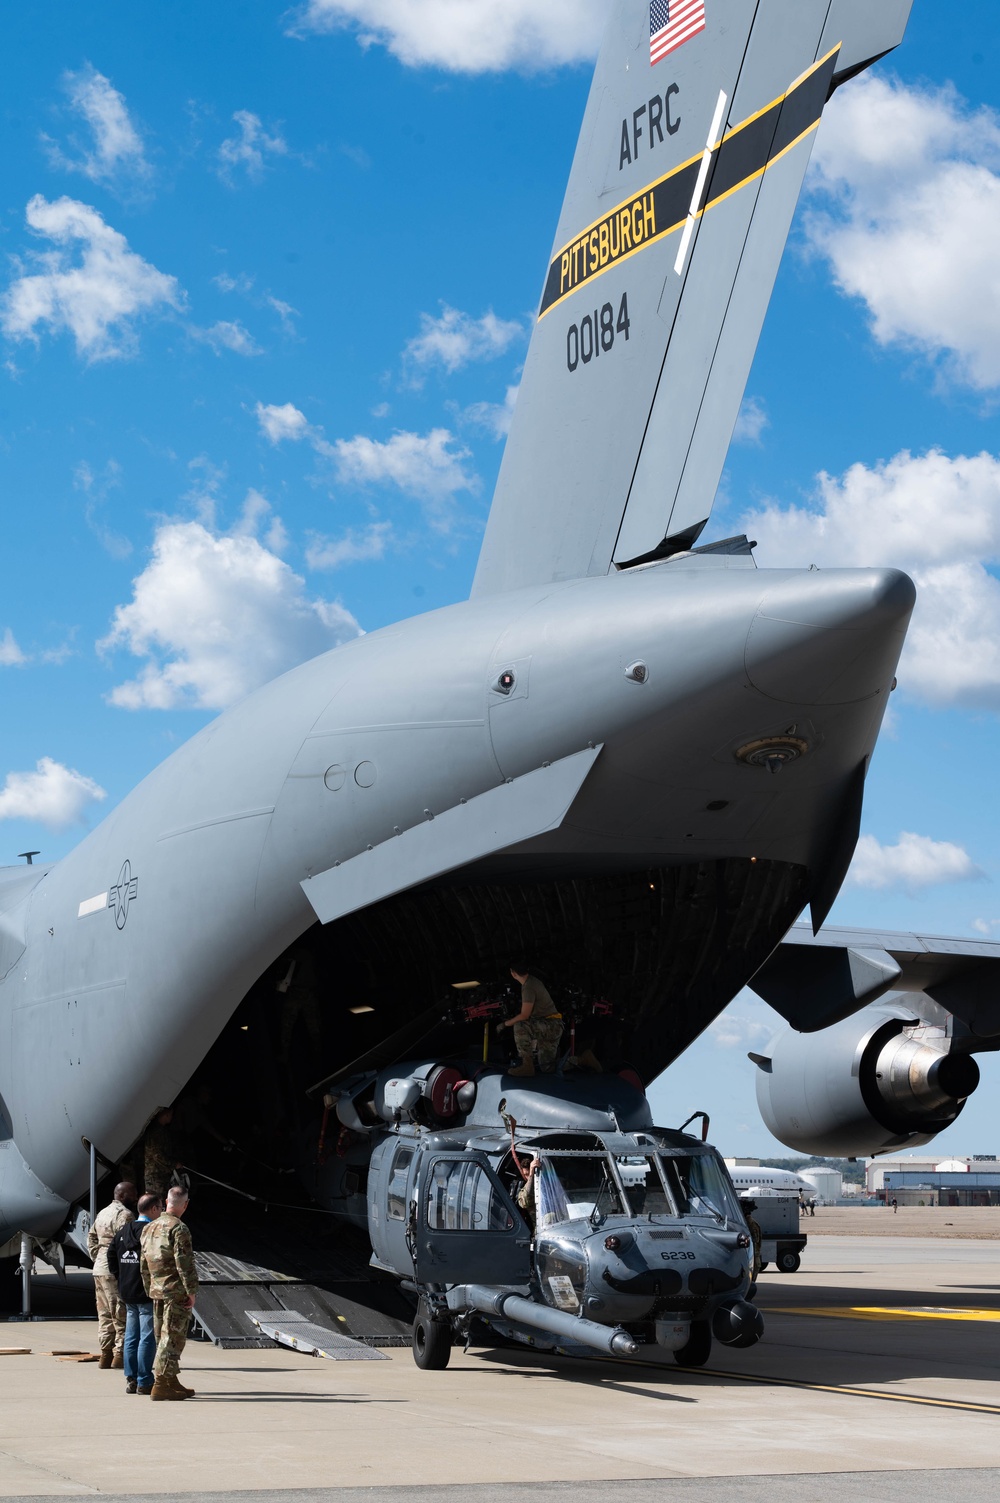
pixel 140 1344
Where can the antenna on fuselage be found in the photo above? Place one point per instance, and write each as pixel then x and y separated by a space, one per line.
pixel 27 856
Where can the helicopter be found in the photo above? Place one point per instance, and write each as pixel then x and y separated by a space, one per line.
pixel 549 1212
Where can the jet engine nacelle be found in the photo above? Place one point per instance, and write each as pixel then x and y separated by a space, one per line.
pixel 876 1081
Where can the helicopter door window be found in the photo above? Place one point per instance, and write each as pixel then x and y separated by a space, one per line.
pixel 461 1197
pixel 395 1209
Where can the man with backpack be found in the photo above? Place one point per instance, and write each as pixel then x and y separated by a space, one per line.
pixel 125 1262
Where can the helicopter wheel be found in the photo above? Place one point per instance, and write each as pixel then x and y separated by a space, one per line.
pixel 695 1352
pixel 431 1340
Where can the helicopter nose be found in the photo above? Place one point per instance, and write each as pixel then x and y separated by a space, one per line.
pixel 829 637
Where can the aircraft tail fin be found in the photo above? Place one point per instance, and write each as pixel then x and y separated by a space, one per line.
pixel 695 142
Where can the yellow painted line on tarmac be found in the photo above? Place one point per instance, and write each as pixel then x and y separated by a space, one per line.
pixel 886 1312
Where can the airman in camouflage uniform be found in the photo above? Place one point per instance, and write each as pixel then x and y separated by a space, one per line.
pixel 110 1306
pixel 538 1027
pixel 171 1281
pixel 159 1153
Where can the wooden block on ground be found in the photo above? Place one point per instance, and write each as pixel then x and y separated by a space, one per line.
pixel 15 1351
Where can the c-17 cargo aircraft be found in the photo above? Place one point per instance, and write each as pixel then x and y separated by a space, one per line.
pixel 631 756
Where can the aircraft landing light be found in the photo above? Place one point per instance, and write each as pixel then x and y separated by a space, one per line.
pixel 887 1312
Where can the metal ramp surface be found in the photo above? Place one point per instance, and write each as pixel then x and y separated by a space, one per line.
pixel 220 1315
pixel 293 1329
pixel 375 1316
pixel 251 1260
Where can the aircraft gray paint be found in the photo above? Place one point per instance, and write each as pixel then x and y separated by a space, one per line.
pixel 578 740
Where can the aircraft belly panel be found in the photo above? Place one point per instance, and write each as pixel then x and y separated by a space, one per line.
pixel 353 790
pixel 457 837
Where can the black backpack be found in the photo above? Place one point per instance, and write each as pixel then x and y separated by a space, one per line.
pixel 126 1252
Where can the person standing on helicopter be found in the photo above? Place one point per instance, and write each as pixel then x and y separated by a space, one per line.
pixel 537 1027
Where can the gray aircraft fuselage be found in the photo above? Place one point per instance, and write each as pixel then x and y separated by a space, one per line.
pixel 123 962
pixel 574 767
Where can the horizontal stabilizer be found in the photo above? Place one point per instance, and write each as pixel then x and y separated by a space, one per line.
pixel 814 981
pixel 527 806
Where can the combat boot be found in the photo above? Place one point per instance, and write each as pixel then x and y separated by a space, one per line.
pixel 107 1358
pixel 168 1388
pixel 187 1392
pixel 119 1360
pixel 526 1067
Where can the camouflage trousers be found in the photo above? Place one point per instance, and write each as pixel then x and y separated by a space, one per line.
pixel 110 1312
pixel 539 1038
pixel 170 1327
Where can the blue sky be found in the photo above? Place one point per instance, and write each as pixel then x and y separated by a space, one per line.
pixel 266 281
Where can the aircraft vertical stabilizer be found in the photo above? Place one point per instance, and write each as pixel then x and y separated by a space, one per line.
pixel 695 142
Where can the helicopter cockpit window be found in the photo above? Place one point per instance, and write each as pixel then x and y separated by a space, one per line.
pixel 701 1187
pixel 395 1208
pixel 643 1186
pixel 588 1185
pixel 461 1197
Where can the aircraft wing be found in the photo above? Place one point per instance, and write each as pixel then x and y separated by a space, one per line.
pixel 696 139
pixel 814 981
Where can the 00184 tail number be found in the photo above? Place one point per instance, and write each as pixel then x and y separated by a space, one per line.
pixel 595 334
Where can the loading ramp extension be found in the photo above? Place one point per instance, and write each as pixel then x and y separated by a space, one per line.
pixel 332 1286
pixel 290 1328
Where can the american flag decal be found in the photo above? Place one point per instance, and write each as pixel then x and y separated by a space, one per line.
pixel 671 24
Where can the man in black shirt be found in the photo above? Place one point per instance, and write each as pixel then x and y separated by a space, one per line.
pixel 124 1256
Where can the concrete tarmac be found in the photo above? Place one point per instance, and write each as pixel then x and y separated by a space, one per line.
pixel 878 1376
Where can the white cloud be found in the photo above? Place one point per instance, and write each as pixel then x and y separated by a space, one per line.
pixel 90 285
pixel 467 36
pixel 11 655
pixel 229 335
pixel 987 927
pixel 741 1030
pixel 116 152
pixel 250 147
pixel 751 423
pixel 286 313
pixel 939 519
pixel 911 175
pixel 914 862
pixel 425 466
pixel 53 795
pixel 455 339
pixel 96 489
pixel 494 418
pixel 356 546
pixel 241 283
pixel 282 423
pixel 215 616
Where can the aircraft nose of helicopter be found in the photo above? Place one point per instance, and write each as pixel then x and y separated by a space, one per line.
pixel 829 637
